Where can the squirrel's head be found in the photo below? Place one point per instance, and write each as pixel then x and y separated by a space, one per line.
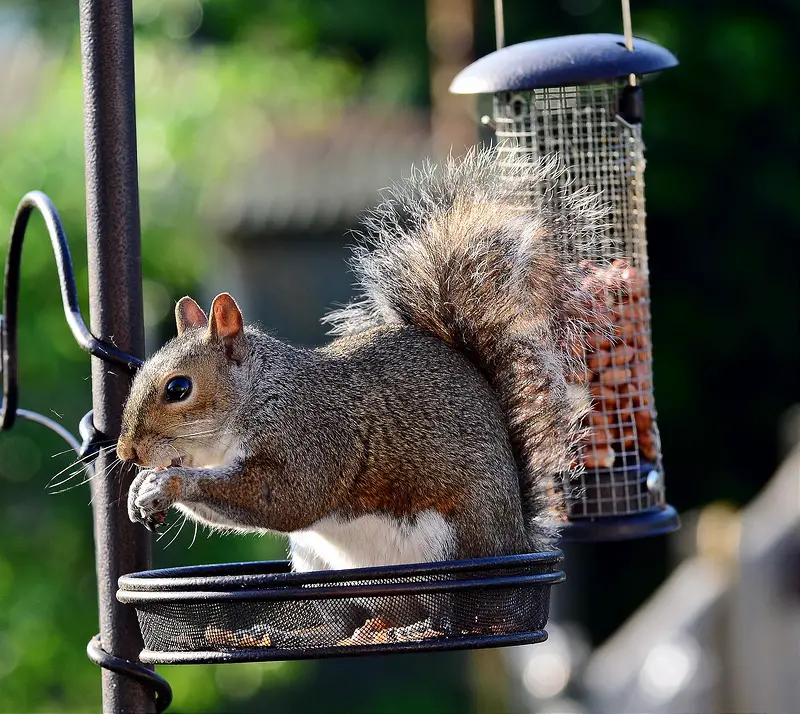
pixel 183 397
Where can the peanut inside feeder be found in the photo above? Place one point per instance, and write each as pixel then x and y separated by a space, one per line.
pixel 619 372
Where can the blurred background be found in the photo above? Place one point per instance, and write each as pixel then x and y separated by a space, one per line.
pixel 265 128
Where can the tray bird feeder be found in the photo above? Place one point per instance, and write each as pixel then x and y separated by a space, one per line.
pixel 579 98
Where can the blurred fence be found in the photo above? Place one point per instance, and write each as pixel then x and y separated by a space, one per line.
pixel 721 635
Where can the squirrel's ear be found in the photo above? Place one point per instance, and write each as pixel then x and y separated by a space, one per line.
pixel 226 326
pixel 189 314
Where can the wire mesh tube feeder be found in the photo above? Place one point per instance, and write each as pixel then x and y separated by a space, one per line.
pixel 579 97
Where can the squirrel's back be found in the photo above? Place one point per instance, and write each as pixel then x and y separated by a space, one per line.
pixel 464 255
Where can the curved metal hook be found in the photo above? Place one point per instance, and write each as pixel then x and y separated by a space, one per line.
pixel 36 200
pixel 146 677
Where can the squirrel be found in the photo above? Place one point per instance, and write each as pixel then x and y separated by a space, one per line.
pixel 433 427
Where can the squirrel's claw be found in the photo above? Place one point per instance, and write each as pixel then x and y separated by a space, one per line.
pixel 153 522
pixel 150 496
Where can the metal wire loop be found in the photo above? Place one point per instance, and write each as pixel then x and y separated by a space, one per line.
pixel 91 438
pixel 143 675
pixel 36 200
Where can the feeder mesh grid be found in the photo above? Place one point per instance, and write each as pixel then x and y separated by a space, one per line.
pixel 300 624
pixel 623 472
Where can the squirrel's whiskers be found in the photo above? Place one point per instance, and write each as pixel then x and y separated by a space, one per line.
pixel 84 463
pixel 182 522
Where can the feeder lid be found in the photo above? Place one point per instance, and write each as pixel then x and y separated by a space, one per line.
pixel 561 62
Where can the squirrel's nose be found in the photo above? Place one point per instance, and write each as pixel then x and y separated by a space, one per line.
pixel 127 452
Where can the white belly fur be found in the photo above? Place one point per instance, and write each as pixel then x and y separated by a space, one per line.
pixel 333 544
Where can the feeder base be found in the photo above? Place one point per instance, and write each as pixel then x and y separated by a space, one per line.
pixel 658 521
pixel 280 655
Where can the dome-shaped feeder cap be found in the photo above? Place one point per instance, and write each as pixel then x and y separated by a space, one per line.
pixel 561 62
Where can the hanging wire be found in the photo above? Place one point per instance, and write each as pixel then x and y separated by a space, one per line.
pixel 499 25
pixel 627 29
pixel 74 444
pixel 37 201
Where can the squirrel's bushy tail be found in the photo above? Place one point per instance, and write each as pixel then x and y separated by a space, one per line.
pixel 459 251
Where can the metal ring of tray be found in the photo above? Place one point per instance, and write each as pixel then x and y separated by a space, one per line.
pixel 249 612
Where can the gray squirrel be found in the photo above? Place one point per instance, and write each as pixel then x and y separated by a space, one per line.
pixel 431 428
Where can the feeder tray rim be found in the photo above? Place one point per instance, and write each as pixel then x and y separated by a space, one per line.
pixel 567 61
pixel 278 572
pixel 344 592
pixel 189 575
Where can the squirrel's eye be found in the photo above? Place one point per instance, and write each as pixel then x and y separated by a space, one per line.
pixel 177 388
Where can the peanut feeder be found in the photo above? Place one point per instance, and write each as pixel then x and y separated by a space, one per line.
pixel 578 97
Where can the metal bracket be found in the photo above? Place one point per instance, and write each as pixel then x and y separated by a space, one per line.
pixel 146 677
pixel 36 200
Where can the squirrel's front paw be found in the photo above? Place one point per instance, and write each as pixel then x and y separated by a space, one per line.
pixel 152 492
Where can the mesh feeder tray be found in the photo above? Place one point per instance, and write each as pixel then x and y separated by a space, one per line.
pixel 579 97
pixel 250 612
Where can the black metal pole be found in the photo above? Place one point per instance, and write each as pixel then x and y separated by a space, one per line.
pixel 115 290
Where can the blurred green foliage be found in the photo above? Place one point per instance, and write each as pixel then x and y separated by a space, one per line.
pixel 211 79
